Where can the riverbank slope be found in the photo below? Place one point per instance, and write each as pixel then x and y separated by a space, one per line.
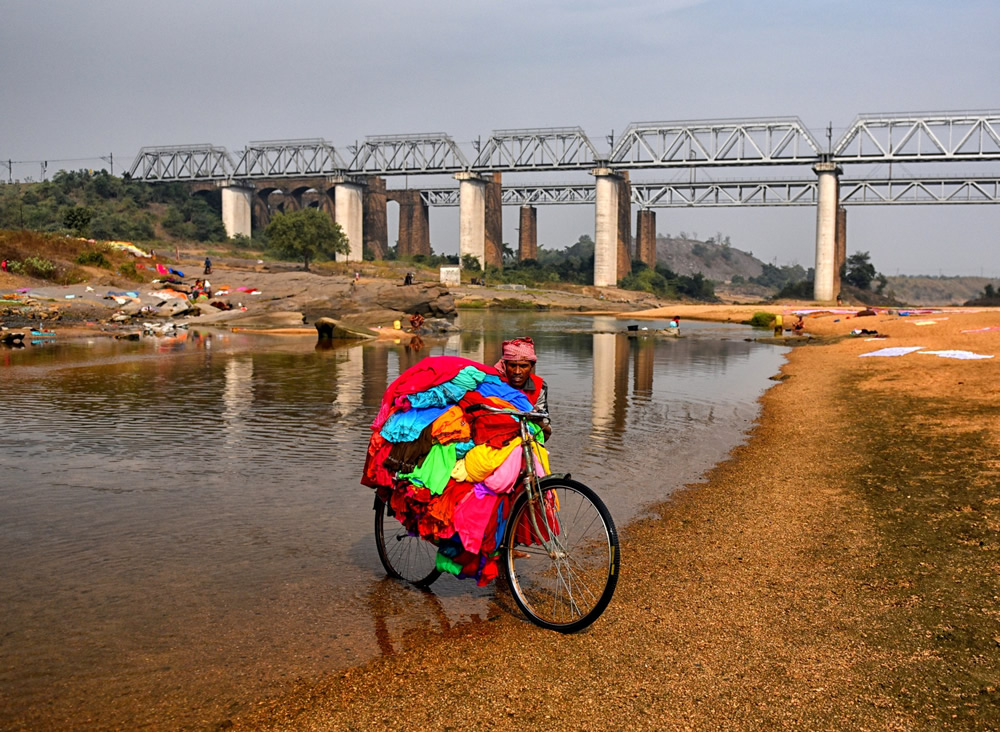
pixel 840 571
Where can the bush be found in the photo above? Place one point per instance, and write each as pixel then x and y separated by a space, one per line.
pixel 128 271
pixel 40 268
pixel 93 258
pixel 762 320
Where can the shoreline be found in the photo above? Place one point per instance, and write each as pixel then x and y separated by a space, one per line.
pixel 832 573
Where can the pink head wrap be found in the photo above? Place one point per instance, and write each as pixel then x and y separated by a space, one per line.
pixel 519 349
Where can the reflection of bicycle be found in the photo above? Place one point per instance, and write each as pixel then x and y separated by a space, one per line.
pixel 559 554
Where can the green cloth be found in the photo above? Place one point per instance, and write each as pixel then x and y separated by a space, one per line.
pixel 435 471
pixel 446 564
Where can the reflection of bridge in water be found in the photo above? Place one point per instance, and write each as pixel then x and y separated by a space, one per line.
pixel 709 159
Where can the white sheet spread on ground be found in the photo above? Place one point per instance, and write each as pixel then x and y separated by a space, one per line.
pixel 968 355
pixel 895 351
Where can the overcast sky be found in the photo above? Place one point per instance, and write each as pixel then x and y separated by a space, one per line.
pixel 82 80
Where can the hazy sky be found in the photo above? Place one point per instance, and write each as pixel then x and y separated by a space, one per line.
pixel 81 80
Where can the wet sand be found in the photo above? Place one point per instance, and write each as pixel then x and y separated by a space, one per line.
pixel 840 571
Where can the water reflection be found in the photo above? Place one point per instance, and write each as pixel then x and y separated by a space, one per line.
pixel 186 511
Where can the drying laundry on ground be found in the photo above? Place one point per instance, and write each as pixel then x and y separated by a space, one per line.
pixel 449 472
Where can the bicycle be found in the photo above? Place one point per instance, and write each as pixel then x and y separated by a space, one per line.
pixel 559 556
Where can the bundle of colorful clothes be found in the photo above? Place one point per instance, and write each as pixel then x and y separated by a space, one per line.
pixel 448 473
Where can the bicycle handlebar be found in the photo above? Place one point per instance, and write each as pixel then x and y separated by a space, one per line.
pixel 517 413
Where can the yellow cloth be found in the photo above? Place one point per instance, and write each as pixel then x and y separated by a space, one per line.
pixel 458 472
pixel 482 460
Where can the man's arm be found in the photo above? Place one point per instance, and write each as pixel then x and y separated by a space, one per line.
pixel 542 405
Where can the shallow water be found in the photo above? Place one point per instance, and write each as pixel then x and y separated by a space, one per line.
pixel 181 523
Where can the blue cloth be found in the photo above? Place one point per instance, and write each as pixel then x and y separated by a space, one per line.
pixel 463 447
pixel 451 391
pixel 506 392
pixel 407 426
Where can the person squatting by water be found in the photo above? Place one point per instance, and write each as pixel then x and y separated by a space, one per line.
pixel 517 368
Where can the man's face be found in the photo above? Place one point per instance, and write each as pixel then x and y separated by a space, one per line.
pixel 517 372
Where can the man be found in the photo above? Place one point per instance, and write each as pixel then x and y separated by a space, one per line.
pixel 517 368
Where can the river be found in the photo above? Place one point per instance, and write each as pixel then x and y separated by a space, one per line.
pixel 182 528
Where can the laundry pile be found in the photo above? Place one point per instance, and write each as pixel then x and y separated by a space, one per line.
pixel 447 471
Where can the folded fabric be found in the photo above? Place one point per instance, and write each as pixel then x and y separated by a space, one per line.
pixel 451 391
pixel 506 392
pixel 406 426
pixel 471 517
pixel 423 375
pixel 451 426
pixel 435 471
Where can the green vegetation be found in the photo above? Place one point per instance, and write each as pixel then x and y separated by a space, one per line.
pixel 99 205
pixel 665 283
pixel 780 277
pixel 762 320
pixel 307 234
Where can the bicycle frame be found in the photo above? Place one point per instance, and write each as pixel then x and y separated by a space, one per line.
pixel 531 481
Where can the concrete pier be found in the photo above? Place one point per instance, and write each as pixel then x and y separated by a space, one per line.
pixel 841 247
pixel 349 202
pixel 624 226
pixel 826 230
pixel 493 228
pixel 471 217
pixel 608 184
pixel 645 237
pixel 527 235
pixel 237 208
pixel 375 227
pixel 414 223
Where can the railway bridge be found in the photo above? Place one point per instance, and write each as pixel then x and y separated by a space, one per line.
pixel 710 163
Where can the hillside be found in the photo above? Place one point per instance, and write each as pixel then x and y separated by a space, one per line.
pixel 717 262
pixel 926 290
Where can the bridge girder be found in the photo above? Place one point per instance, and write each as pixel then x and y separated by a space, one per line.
pixel 423 153
pixel 289 158
pixel 549 148
pixel 921 138
pixel 713 194
pixel 182 163
pixel 778 141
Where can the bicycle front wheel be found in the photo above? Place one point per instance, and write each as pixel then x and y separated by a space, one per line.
pixel 403 555
pixel 562 567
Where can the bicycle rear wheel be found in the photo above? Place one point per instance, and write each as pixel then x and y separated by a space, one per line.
pixel 403 555
pixel 563 567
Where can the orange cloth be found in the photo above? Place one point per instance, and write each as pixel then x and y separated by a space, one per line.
pixel 451 427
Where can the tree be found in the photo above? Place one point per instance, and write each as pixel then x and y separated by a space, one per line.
pixel 306 235
pixel 78 219
pixel 859 271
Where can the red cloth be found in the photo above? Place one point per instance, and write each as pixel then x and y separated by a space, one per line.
pixel 490 429
pixel 420 377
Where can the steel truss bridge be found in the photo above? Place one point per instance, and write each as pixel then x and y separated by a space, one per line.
pixel 872 140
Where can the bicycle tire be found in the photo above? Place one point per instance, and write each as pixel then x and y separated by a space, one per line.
pixel 404 556
pixel 566 590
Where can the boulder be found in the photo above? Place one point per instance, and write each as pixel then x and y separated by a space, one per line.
pixel 331 329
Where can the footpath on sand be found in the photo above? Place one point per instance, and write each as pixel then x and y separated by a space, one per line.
pixel 840 571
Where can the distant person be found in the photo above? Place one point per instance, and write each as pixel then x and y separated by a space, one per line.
pixel 798 326
pixel 416 320
pixel 208 266
pixel 3 265
pixel 675 323
pixel 408 280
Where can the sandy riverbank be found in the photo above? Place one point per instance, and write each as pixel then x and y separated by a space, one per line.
pixel 841 571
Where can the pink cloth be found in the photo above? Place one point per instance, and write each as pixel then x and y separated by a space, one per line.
pixel 471 517
pixel 502 479
pixel 421 376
